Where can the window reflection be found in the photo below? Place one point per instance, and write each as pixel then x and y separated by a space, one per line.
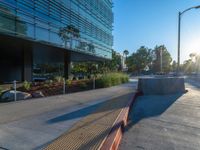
pixel 47 63
pixel 47 70
pixel 41 34
pixel 7 19
pixel 41 20
pixel 21 27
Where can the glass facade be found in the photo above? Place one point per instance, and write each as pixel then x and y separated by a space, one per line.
pixel 43 21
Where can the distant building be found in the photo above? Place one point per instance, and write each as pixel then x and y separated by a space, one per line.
pixel 124 66
pixel 40 38
pixel 123 62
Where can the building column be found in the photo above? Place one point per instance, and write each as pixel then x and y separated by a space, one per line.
pixel 67 64
pixel 27 64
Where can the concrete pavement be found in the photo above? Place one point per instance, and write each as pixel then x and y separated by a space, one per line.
pixel 165 122
pixel 91 132
pixel 35 123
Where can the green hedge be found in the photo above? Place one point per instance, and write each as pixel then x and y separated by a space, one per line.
pixel 111 79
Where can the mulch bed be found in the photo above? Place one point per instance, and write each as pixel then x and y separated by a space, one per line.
pixel 57 88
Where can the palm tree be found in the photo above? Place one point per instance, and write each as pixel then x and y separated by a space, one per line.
pixel 126 53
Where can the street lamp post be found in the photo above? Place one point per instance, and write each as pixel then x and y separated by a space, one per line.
pixel 179 32
pixel 161 59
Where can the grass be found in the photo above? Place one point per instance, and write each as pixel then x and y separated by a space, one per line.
pixel 111 79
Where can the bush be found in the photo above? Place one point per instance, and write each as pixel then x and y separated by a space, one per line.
pixel 111 79
pixel 58 79
pixel 46 85
pixel 103 82
pixel 27 85
pixel 69 83
pixel 50 82
pixel 124 79
pixel 82 85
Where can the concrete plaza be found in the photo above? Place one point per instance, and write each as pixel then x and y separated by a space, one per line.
pixel 165 122
pixel 33 124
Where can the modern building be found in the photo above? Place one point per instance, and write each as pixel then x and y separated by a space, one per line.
pixel 123 62
pixel 39 38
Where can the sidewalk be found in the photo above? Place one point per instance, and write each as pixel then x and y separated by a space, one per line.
pixel 165 122
pixel 90 132
pixel 35 123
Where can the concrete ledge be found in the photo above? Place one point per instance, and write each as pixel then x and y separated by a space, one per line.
pixel 161 85
pixel 114 138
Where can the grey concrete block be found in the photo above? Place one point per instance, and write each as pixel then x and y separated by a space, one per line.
pixel 161 85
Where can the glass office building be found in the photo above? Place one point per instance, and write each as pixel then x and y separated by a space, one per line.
pixel 44 36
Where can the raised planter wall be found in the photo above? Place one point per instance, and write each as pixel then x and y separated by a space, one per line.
pixel 161 85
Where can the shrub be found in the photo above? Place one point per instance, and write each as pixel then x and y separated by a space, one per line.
pixel 82 85
pixel 46 85
pixel 26 85
pixel 103 82
pixel 69 83
pixel 59 79
pixel 124 78
pixel 115 79
pixel 111 79
pixel 49 82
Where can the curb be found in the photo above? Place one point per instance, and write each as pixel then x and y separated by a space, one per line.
pixel 113 140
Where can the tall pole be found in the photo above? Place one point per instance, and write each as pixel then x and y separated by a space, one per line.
pixel 179 36
pixel 15 91
pixel 179 32
pixel 161 59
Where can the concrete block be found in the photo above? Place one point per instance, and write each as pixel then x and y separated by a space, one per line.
pixel 161 85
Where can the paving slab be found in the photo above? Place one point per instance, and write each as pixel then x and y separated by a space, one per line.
pixel 165 122
pixel 33 124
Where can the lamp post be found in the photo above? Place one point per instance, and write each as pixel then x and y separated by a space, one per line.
pixel 161 59
pixel 179 32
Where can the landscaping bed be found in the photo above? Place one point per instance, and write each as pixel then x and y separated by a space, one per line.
pixel 56 86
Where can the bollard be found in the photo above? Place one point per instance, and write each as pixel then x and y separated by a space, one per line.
pixel 15 92
pixel 64 86
pixel 94 85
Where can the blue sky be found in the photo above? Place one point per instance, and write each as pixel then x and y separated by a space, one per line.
pixel 155 22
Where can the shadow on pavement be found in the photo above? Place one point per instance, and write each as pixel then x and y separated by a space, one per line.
pixel 97 108
pixel 2 148
pixel 75 114
pixel 150 106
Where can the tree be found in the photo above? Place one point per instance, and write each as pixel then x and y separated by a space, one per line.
pixel 88 68
pixel 174 66
pixel 112 65
pixel 166 59
pixel 140 60
pixel 192 64
pixel 197 63
pixel 79 68
pixel 188 66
